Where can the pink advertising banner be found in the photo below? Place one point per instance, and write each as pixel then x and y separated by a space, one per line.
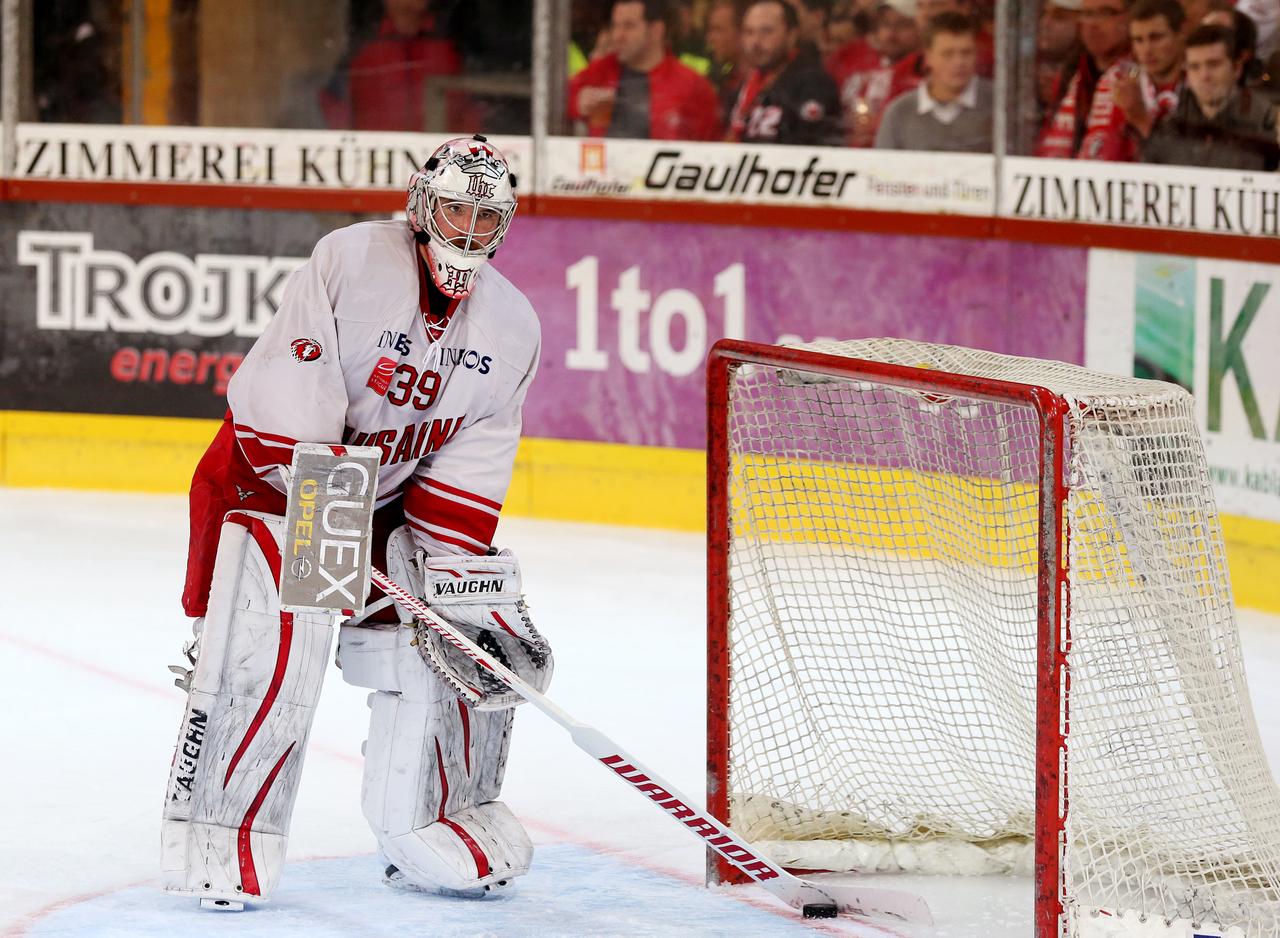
pixel 629 309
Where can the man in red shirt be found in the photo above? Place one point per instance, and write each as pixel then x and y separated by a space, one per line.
pixel 863 69
pixel 1104 33
pixel 381 86
pixel 1131 98
pixel 640 90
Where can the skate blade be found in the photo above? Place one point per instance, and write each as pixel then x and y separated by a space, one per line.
pixel 222 905
pixel 397 880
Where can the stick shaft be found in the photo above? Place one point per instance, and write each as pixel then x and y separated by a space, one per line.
pixel 717 836
pixel 699 824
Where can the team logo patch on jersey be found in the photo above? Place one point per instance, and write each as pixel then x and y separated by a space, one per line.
pixel 305 350
pixel 380 377
pixel 812 111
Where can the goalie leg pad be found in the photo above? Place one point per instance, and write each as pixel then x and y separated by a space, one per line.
pixel 433 770
pixel 433 762
pixel 249 709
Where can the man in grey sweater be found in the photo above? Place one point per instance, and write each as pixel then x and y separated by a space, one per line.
pixel 951 108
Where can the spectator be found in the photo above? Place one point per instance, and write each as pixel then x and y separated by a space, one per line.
pixel 1131 99
pixel 1196 11
pixel 640 90
pixel 909 72
pixel 863 12
pixel 1222 13
pixel 588 36
pixel 1104 33
pixel 1265 15
pixel 863 69
pixel 381 86
pixel 722 44
pixel 493 40
pixel 1058 52
pixel 685 39
pixel 846 25
pixel 1217 123
pixel 76 68
pixel 788 97
pixel 951 108
pixel 815 17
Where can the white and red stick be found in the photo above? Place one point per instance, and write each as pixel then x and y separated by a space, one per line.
pixel 813 899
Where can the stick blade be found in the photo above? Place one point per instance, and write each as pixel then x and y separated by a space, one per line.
pixel 858 900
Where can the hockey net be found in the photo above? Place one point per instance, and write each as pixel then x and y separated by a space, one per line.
pixel 970 613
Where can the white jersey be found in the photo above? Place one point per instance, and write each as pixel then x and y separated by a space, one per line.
pixel 352 356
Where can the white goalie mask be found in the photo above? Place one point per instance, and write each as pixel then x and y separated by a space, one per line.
pixel 460 206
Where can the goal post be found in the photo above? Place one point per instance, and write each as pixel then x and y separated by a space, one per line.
pixel 969 612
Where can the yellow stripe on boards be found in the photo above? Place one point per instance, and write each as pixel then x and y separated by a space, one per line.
pixel 101 451
pixel 1253 554
pixel 610 483
pixel 604 483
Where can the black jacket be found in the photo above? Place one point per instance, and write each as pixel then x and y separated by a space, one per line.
pixel 801 106
pixel 1240 136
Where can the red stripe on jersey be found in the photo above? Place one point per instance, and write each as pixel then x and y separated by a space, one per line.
pixel 444 538
pixel 436 510
pixel 261 457
pixel 271 439
pixel 244 846
pixel 460 493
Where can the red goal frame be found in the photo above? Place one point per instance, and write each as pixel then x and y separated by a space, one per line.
pixel 1053 598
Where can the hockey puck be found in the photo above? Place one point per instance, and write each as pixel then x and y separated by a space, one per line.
pixel 819 910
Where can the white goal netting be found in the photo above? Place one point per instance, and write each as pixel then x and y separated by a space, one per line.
pixel 883 638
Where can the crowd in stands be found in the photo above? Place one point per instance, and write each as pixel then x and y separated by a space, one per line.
pixel 1164 81
pixel 1161 81
pixel 788 71
pixel 382 82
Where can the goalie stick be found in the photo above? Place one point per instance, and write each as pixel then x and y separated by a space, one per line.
pixel 332 492
pixel 813 899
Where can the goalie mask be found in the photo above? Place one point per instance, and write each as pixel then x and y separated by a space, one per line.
pixel 460 206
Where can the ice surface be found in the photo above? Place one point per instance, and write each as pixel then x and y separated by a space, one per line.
pixel 91 619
